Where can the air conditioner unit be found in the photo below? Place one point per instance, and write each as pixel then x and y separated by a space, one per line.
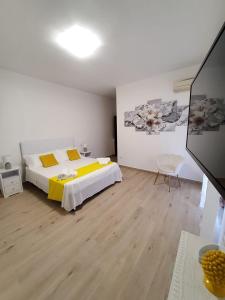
pixel 182 85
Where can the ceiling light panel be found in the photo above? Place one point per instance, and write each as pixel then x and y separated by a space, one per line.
pixel 79 41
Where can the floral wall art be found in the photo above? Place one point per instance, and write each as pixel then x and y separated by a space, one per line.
pixel 157 116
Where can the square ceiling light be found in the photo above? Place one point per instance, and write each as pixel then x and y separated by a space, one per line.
pixel 79 41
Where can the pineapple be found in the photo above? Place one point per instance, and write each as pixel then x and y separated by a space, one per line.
pixel 213 264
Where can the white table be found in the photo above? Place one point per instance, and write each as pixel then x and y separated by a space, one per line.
pixel 10 181
pixel 85 153
pixel 187 282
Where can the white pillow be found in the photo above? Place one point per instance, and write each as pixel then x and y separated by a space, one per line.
pixel 61 154
pixel 32 160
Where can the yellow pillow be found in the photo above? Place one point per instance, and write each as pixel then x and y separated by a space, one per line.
pixel 73 154
pixel 48 160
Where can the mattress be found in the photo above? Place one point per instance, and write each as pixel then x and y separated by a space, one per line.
pixel 78 190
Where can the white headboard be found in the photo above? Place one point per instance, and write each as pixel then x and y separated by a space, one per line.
pixel 41 146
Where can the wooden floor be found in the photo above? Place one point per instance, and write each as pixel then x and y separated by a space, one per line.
pixel 120 245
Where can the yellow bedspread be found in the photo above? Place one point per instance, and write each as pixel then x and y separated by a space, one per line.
pixel 56 186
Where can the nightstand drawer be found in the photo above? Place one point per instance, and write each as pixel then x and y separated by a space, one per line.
pixel 11 181
pixel 12 189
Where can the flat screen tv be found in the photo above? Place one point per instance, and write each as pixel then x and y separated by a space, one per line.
pixel 206 120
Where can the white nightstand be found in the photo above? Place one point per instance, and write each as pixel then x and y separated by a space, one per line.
pixel 10 181
pixel 85 153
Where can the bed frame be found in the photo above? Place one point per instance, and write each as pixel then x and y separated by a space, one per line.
pixel 42 146
pixel 46 145
pixel 74 194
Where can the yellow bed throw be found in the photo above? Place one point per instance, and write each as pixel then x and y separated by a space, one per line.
pixel 56 187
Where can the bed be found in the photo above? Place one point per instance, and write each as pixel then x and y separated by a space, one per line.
pixel 77 190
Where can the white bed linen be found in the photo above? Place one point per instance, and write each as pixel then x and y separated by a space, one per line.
pixel 76 191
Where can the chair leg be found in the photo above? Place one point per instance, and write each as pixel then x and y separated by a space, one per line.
pixel 156 177
pixel 169 182
pixel 178 179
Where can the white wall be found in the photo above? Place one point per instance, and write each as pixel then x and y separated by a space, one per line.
pixel 36 109
pixel 138 150
pixel 209 228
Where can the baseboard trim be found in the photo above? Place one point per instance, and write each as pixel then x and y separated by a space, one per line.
pixel 155 172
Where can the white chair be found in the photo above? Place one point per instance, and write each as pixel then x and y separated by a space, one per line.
pixel 169 165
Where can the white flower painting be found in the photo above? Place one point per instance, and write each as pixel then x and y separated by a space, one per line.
pixel 157 116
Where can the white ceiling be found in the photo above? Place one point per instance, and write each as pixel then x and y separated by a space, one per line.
pixel 141 38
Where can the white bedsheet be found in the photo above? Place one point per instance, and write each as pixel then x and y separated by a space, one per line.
pixel 76 191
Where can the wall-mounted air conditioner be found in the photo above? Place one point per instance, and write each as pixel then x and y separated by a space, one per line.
pixel 182 85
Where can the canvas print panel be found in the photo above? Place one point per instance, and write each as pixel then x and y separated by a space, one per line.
pixel 157 116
